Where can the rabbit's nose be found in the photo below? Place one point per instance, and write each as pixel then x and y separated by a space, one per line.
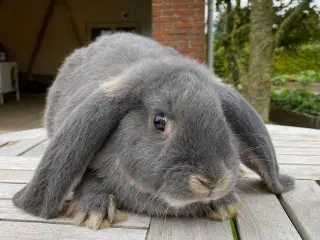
pixel 200 185
pixel 206 183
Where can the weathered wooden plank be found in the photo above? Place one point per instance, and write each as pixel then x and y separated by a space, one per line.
pixel 38 150
pixel 311 172
pixel 262 216
pixel 290 130
pixel 302 171
pixel 9 212
pixel 298 151
pixel 15 176
pixel 292 144
pixel 187 229
pixel 17 148
pixel 134 221
pixel 2 143
pixel 303 206
pixel 300 160
pixel 295 138
pixel 7 190
pixel 24 135
pixel 19 163
pixel 37 231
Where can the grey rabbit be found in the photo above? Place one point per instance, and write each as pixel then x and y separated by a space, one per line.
pixel 136 125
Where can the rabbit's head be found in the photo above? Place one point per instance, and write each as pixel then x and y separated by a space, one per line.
pixel 175 141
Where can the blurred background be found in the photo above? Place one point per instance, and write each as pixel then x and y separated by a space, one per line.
pixel 268 50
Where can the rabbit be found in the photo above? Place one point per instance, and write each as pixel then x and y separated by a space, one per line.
pixel 136 125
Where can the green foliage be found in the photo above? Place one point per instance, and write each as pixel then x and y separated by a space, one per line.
pixel 302 101
pixel 304 77
pixel 220 64
pixel 278 80
pixel 296 59
pixel 304 29
pixel 309 77
pixel 230 39
pixel 299 50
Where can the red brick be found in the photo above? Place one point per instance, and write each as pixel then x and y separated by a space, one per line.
pixel 180 24
pixel 159 19
pixel 187 12
pixel 195 44
pixel 189 25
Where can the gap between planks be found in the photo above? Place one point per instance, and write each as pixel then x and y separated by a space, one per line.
pixel 262 216
pixel 9 212
pixel 19 147
pixel 302 205
pixel 188 229
pixel 37 231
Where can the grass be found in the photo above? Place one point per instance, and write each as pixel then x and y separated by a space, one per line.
pixel 234 230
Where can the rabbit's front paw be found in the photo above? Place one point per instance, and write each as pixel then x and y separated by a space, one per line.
pixel 94 212
pixel 225 208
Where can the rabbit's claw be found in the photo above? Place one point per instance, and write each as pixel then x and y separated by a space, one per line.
pixel 224 212
pixel 94 213
pixel 224 209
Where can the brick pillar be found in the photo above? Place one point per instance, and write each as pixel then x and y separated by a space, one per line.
pixel 180 24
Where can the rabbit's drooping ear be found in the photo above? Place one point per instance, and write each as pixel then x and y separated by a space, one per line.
pixel 71 149
pixel 256 148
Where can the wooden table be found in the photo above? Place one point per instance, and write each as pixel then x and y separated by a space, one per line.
pixel 295 215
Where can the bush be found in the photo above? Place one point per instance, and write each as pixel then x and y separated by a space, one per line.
pixel 296 59
pixel 304 77
pixel 302 101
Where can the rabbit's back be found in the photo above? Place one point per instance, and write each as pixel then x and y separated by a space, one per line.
pixel 85 68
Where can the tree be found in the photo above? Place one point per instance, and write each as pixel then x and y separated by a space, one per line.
pixel 289 20
pixel 253 41
pixel 257 84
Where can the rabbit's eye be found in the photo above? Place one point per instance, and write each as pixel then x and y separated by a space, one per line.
pixel 159 123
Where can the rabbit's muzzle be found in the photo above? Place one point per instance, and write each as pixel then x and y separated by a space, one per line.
pixel 204 187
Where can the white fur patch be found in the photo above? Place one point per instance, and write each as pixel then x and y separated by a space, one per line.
pixel 201 191
pixel 196 187
pixel 112 85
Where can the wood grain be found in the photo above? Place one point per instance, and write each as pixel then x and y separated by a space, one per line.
pixel 15 176
pixel 290 130
pixel 18 163
pixel 313 139
pixel 262 216
pixel 40 231
pixel 19 147
pixel 24 135
pixel 303 206
pixel 187 229
pixel 302 151
pixel 311 172
pixel 7 190
pixel 38 150
pixel 298 160
pixel 291 144
pixel 2 142
pixel 9 212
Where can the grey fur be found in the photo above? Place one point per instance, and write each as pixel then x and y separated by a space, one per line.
pixel 104 137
